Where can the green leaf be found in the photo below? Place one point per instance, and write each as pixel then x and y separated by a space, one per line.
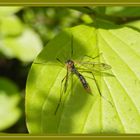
pixel 11 25
pixel 80 112
pixel 9 99
pixel 9 10
pixel 85 10
pixel 24 47
pixel 134 25
pixel 121 11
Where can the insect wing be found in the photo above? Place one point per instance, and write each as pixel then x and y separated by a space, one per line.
pixel 96 66
pixel 101 66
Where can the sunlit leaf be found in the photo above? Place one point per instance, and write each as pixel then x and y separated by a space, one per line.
pixel 80 112
pixel 134 25
pixel 9 100
pixel 11 25
pixel 9 10
pixel 113 11
pixel 123 11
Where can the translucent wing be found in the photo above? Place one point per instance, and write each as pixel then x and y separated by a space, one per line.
pixel 95 66
pixel 95 72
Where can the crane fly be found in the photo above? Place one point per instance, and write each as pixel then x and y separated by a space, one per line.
pixel 72 69
pixel 89 67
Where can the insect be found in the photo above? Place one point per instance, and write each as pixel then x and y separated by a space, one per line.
pixel 87 67
pixel 72 69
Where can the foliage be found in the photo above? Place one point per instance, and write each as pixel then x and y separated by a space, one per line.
pixel 112 31
pixel 9 99
pixel 98 115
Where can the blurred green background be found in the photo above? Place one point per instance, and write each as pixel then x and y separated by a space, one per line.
pixel 24 31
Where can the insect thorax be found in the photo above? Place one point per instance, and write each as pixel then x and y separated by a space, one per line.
pixel 70 64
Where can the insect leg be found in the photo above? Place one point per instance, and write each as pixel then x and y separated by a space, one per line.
pixel 72 84
pixel 62 91
pixel 100 90
pixel 61 94
pixel 60 61
pixel 95 71
pixel 94 57
pixel 71 45
pixel 98 86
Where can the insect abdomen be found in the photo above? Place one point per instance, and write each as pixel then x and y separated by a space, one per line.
pixel 82 79
pixel 84 83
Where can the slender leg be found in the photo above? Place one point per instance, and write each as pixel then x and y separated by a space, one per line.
pixel 97 72
pixel 94 57
pixel 66 81
pixel 60 61
pixel 62 90
pixel 71 45
pixel 44 63
pixel 61 94
pixel 98 86
pixel 71 84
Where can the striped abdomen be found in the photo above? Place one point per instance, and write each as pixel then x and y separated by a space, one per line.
pixel 83 81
